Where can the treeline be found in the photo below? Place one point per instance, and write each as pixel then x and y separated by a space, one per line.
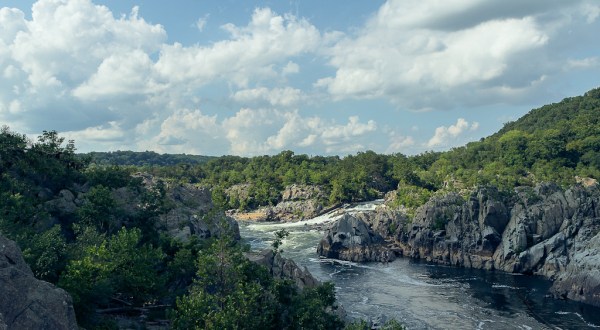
pixel 142 158
pixel 555 143
pixel 112 258
pixel 366 175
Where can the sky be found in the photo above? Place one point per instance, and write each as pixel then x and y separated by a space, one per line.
pixel 315 77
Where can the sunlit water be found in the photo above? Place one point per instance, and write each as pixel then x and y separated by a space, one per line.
pixel 426 296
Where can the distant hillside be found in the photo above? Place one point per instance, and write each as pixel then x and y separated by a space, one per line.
pixel 144 158
pixel 553 143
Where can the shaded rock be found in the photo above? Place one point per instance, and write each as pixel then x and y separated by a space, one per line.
pixel 295 210
pixel 350 238
pixel 192 213
pixel 580 279
pixel 63 205
pixel 544 230
pixel 26 302
pixel 280 267
pixel 189 210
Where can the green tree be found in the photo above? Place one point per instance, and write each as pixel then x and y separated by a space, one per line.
pixel 106 267
pixel 225 295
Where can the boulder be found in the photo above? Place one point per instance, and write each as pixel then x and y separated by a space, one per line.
pixel 350 238
pixel 280 267
pixel 26 302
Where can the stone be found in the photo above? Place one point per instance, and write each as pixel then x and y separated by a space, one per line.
pixel 544 230
pixel 280 267
pixel 29 303
pixel 350 238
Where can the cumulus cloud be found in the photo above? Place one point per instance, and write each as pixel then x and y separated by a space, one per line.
pixel 250 52
pixel 284 97
pixel 259 131
pixel 442 54
pixel 115 81
pixel 443 134
pixel 399 143
pixel 77 68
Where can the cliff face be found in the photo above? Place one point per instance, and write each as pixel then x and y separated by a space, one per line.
pixel 26 302
pixel 545 230
pixel 351 238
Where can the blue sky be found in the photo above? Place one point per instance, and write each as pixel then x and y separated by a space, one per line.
pixel 314 77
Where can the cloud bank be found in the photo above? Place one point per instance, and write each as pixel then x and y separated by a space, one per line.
pixel 114 82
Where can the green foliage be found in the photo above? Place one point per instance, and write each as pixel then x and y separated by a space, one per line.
pixel 144 158
pixel 105 267
pixel 412 197
pixel 223 296
pixel 111 177
pixel 231 292
pixel 45 253
pixel 280 235
pixel 99 209
pixel 310 306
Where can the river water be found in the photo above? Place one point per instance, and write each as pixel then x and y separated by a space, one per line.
pixel 422 295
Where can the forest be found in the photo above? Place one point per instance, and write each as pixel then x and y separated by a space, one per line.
pixel 556 143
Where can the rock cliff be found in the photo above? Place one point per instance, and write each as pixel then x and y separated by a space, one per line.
pixel 543 230
pixel 26 302
pixel 351 238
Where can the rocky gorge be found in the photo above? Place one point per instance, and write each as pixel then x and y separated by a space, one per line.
pixel 543 230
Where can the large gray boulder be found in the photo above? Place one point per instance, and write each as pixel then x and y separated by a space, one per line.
pixel 283 268
pixel 26 302
pixel 350 238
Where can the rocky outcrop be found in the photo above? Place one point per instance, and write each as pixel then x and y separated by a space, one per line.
pixel 280 267
pixel 298 202
pixel 351 238
pixel 190 212
pixel 298 192
pixel 187 209
pixel 543 230
pixel 26 302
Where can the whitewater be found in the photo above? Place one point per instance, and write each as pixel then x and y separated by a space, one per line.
pixel 423 295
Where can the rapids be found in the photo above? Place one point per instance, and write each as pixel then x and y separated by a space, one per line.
pixel 422 295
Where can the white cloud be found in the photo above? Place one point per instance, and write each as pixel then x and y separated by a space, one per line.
pixel 451 53
pixel 90 68
pixel 255 132
pixel 284 97
pixel 201 22
pixel 110 132
pixel 443 135
pixel 290 68
pixel 115 82
pixel 400 144
pixel 249 53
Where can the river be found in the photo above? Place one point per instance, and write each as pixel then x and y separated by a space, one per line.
pixel 423 295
